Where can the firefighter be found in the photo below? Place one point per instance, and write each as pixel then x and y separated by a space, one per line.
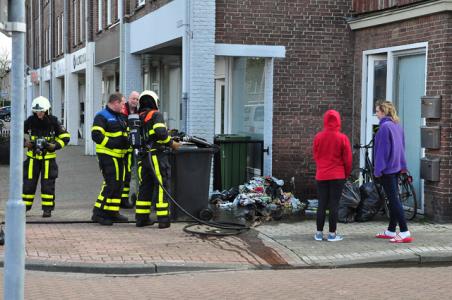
pixel 130 107
pixel 43 136
pixel 154 169
pixel 109 132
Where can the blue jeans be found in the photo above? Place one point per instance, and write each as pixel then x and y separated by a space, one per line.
pixel 396 213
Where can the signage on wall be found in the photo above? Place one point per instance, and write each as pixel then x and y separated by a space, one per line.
pixel 78 60
pixel 34 77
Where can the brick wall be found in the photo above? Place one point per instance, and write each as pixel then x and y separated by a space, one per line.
pixel 137 12
pixel 434 29
pixel 366 6
pixel 315 75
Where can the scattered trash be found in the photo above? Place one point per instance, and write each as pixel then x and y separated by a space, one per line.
pixel 263 197
pixel 370 203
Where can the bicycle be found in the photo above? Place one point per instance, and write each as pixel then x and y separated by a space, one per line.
pixel 407 194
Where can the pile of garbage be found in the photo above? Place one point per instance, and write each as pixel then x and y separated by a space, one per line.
pixel 262 196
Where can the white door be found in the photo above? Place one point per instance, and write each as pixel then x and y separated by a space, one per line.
pixel 174 107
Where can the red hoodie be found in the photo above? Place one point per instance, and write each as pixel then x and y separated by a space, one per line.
pixel 332 150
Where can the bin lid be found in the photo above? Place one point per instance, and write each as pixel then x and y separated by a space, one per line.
pixel 231 137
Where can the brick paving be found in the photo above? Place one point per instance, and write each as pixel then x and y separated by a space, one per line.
pixel 360 283
pixel 123 248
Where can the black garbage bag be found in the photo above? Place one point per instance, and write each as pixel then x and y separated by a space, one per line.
pixel 348 203
pixel 370 203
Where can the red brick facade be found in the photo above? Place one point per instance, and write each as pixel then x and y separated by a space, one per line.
pixel 315 75
pixel 436 30
pixel 365 6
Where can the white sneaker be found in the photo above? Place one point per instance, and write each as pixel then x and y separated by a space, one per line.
pixel 318 236
pixel 334 237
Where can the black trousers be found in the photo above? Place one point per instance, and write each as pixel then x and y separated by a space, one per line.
pixel 47 169
pixel 109 198
pixel 150 190
pixel 330 192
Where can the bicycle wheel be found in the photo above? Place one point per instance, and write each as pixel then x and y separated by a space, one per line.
pixel 407 197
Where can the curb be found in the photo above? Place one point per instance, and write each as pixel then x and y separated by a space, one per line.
pixel 414 260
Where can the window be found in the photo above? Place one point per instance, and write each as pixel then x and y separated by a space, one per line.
pixel 108 12
pixel 62 33
pixel 248 83
pixel 99 15
pixel 141 3
pixel 58 34
pixel 117 9
pixel 81 23
pixel 75 17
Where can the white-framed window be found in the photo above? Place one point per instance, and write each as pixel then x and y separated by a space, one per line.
pixel 99 15
pixel 108 12
pixel 58 34
pixel 141 3
pixel 81 31
pixel 117 9
pixel 62 33
pixel 75 17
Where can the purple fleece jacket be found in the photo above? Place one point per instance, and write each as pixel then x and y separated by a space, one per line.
pixel 389 148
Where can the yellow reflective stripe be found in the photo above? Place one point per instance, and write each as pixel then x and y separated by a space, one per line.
pixel 97 204
pixel 124 174
pixel 47 196
pixel 113 200
pixel 159 178
pixel 46 169
pixel 142 211
pixel 165 140
pixel 116 169
pixel 161 213
pixel 126 189
pixel 115 134
pixel 62 144
pixel 139 173
pixel 161 205
pixel 64 135
pixel 100 197
pixel 30 169
pixel 151 131
pixel 143 203
pixel 119 153
pixel 98 128
pixel 47 203
pixel 28 203
pixel 104 141
pixel 28 196
pixel 111 208
pixel 129 162
pixel 159 125
pixel 47 156
pixel 124 195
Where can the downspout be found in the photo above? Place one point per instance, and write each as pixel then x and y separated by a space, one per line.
pixel 186 65
pixel 122 82
pixel 40 45
pixel 51 50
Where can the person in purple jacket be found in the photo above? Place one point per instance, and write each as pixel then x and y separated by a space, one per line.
pixel 389 161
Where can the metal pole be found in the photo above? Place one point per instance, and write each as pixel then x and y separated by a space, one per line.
pixel 122 56
pixel 15 209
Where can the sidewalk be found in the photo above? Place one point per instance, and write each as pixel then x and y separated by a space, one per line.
pixel 82 246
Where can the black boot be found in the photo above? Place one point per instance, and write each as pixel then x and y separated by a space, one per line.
pixel 47 213
pixel 164 222
pixel 143 220
pixel 100 217
pixel 118 218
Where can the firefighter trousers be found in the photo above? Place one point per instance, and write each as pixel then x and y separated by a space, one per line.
pixel 47 169
pixel 109 198
pixel 128 162
pixel 150 190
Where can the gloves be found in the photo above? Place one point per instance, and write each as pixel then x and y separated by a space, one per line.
pixel 50 147
pixel 175 145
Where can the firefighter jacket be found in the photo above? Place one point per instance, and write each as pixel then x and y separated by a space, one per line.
pixel 109 132
pixel 48 128
pixel 154 130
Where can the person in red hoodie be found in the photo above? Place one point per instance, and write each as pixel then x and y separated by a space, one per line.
pixel 333 158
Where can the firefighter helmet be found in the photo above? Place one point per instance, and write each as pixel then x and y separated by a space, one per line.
pixel 149 99
pixel 40 104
